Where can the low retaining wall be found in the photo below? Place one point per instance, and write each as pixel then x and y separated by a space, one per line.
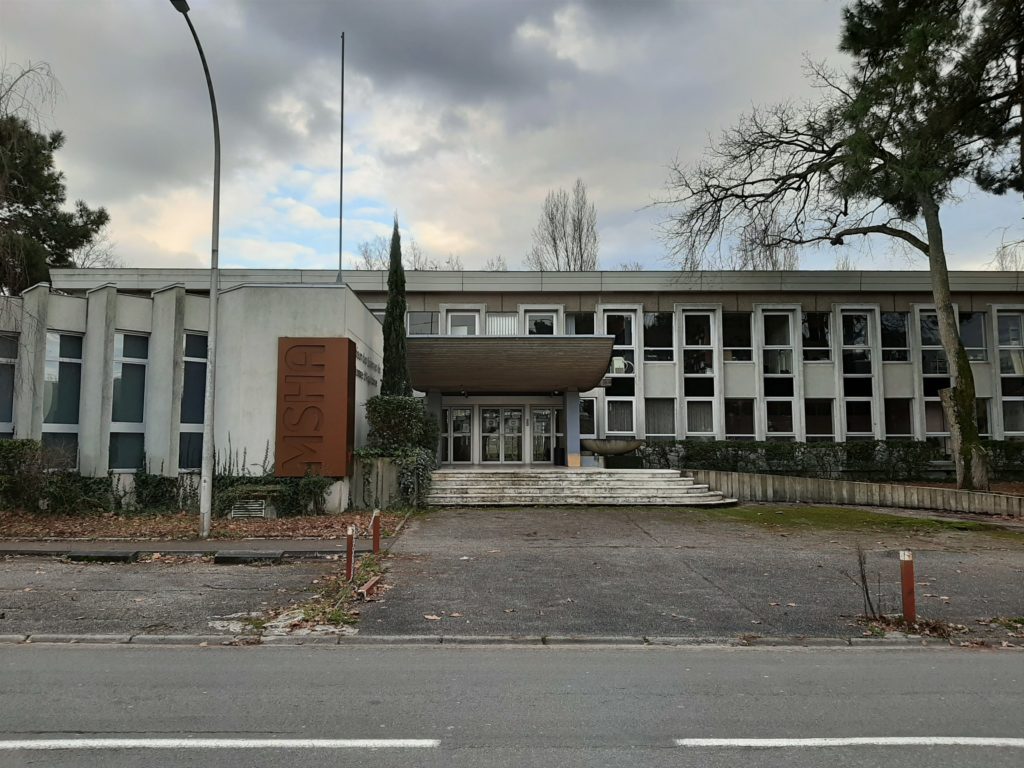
pixel 750 487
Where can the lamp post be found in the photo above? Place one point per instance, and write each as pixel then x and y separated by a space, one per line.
pixel 206 473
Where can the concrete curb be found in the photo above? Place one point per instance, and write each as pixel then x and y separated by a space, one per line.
pixel 893 641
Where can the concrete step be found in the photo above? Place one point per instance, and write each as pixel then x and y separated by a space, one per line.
pixel 706 500
pixel 560 484
pixel 595 498
pixel 588 489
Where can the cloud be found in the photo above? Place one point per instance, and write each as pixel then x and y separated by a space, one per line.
pixel 459 115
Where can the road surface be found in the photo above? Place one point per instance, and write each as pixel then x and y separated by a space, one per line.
pixel 109 706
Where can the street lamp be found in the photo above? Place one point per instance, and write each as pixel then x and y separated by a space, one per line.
pixel 206 474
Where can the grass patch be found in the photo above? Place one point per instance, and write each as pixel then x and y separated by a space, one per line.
pixel 800 517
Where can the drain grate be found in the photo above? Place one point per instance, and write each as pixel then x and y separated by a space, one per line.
pixel 249 508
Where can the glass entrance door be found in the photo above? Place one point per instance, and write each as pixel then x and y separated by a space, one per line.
pixel 461 436
pixel 543 431
pixel 501 435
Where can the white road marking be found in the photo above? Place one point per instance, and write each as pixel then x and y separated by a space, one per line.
pixel 860 741
pixel 75 744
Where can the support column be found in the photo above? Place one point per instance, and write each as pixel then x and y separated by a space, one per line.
pixel 433 406
pixel 97 381
pixel 572 428
pixel 164 379
pixel 28 388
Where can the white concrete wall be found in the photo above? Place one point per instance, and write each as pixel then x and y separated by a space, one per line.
pixel 251 319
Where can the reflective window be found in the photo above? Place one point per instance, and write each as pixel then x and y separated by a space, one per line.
pixel 463 323
pixel 894 337
pixel 588 417
pixel 736 338
pixel 423 323
pixel 659 341
pixel 579 323
pixel 660 416
pixel 8 361
pixel 818 417
pixel 540 323
pixel 193 402
pixel 739 417
pixel 817 337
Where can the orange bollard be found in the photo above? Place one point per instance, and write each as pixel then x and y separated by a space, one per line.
pixel 375 527
pixel 350 553
pixel 909 588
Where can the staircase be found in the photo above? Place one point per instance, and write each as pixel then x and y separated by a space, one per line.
pixel 562 486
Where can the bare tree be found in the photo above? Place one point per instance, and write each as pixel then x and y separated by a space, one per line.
pixel 98 254
pixel 759 246
pixel 496 264
pixel 374 254
pixel 633 265
pixel 1009 257
pixel 844 263
pixel 565 239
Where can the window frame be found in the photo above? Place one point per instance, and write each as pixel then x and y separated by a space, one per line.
pixel 804 348
pixel 7 427
pixel 51 427
pixel 128 427
pixel 435 320
pixel 191 427
pixel 661 348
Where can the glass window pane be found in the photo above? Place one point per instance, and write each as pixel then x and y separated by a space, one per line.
pixel 660 415
pixel 588 421
pixel 855 330
pixel 858 416
pixel 70 346
pixel 972 329
pixel 897 416
pixel 621 327
pixel 1011 329
pixel 1011 361
pixel 7 392
pixel 126 450
pixel 190 450
pixel 780 416
pixel 739 416
pixel 193 393
pixel 620 416
pixel 621 386
pixel 130 345
pixel 579 323
pixel 930 330
pixel 778 361
pixel 700 417
pixel 935 418
pixel 857 361
pixel 816 329
pixel 62 385
pixel 60 450
pixel 736 329
pixel 698 361
pixel 697 331
pixel 894 330
pixel 540 325
pixel 778 386
pixel 658 330
pixel 933 361
pixel 776 330
pixel 8 346
pixel 462 324
pixel 195 345
pixel 423 323
pixel 129 392
pixel 818 414
pixel 699 386
pixel 1013 416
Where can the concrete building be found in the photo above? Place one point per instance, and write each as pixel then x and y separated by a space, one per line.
pixel 518 366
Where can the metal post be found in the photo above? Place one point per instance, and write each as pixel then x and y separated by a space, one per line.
pixel 375 526
pixel 206 473
pixel 909 588
pixel 350 553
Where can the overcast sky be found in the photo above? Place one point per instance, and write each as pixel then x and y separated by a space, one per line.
pixel 460 115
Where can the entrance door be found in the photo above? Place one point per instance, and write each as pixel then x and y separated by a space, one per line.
pixel 543 430
pixel 501 435
pixel 461 436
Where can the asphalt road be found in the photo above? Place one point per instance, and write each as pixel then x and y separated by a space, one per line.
pixel 483 707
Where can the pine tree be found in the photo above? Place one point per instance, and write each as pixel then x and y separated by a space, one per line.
pixel 395 380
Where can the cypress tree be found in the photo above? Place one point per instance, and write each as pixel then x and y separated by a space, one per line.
pixel 395 380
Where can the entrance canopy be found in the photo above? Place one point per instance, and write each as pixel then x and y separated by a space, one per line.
pixel 507 364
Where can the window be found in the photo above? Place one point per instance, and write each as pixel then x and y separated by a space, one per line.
pixel 502 323
pixel 1011 371
pixel 736 337
pixel 423 323
pixel 62 389
pixel 894 337
pixel 621 390
pixel 660 417
pixel 463 323
pixel 858 374
pixel 777 374
pixel 898 421
pixel 739 419
pixel 935 377
pixel 131 352
pixel 193 402
pixel 972 334
pixel 818 419
pixel 540 323
pixel 620 416
pixel 698 372
pixel 817 336
pixel 579 323
pixel 659 340
pixel 8 361
pixel 588 417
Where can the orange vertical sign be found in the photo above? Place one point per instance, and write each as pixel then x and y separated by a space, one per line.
pixel 316 379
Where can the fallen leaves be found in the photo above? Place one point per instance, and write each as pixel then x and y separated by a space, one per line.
pixel 431 617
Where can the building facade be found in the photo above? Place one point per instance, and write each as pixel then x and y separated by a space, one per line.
pixel 520 367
